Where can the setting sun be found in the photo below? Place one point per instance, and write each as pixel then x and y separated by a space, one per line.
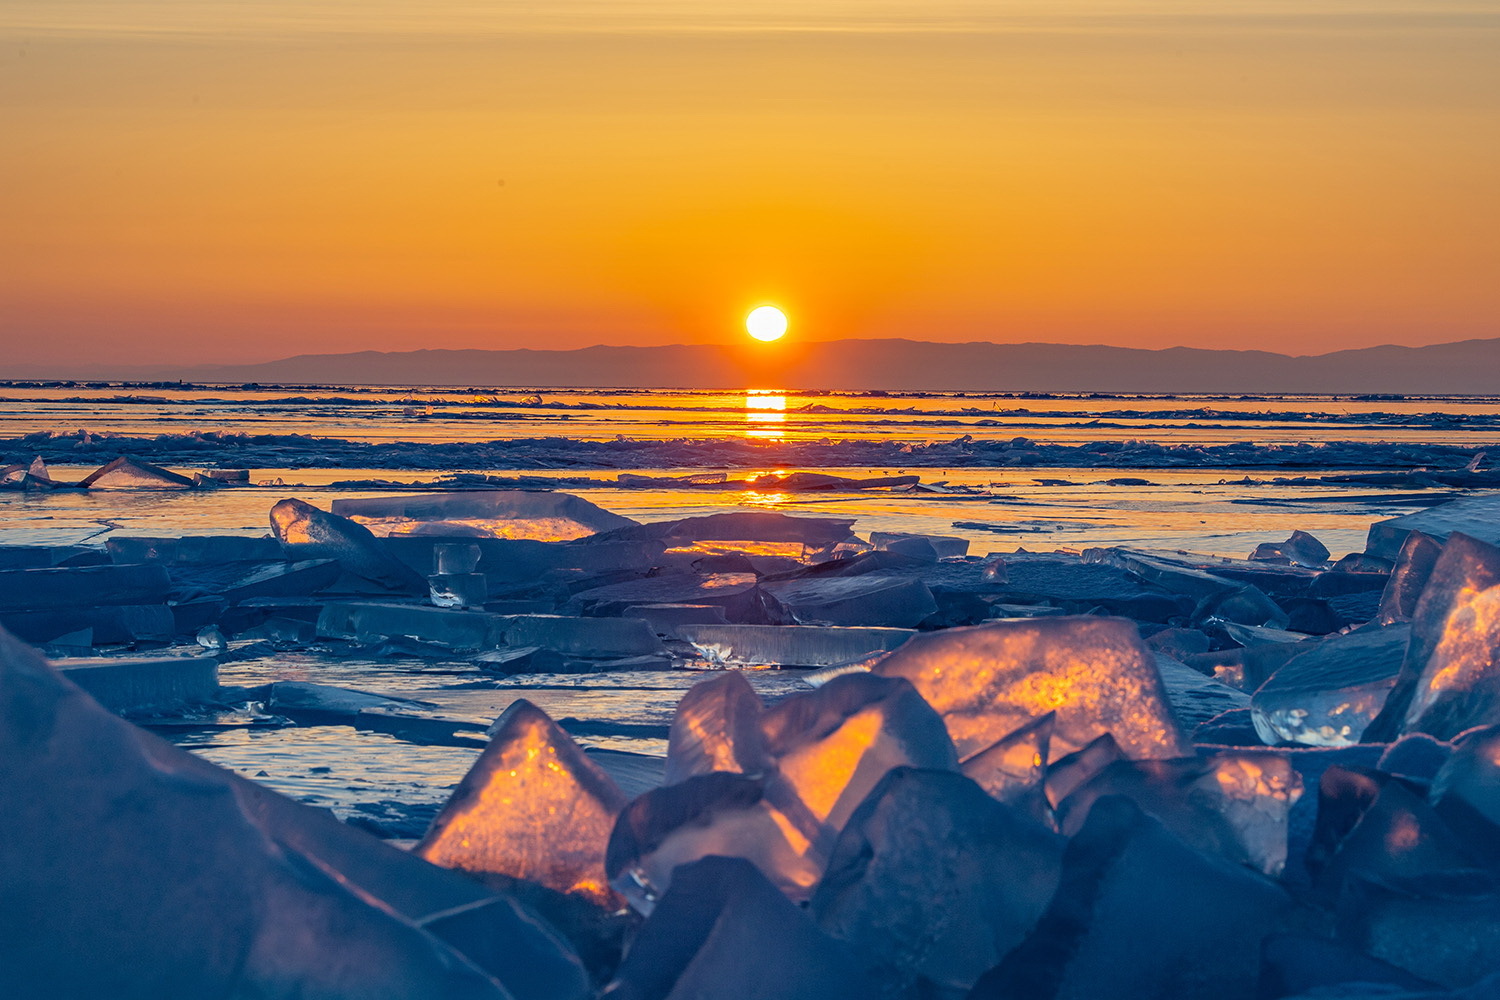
pixel 766 323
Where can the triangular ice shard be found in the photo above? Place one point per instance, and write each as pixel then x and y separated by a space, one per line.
pixel 532 807
pixel 305 532
pixel 1015 766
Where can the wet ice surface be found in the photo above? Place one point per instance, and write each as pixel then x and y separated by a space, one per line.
pixel 353 770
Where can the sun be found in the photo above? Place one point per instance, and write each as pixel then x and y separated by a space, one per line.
pixel 766 323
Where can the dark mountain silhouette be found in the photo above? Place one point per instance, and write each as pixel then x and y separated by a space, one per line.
pixel 1467 367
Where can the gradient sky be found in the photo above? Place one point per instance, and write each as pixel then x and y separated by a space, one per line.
pixel 217 181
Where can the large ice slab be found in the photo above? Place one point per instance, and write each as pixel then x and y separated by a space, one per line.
pixel 1328 694
pixel 532 807
pixel 933 880
pixel 989 680
pixel 869 599
pixel 305 532
pixel 192 549
pixel 791 645
pixel 108 623
pixel 1450 680
pixel 1140 914
pixel 738 594
pixel 1233 803
pixel 537 514
pixel 82 586
pixel 131 869
pixel 1476 516
pixel 455 629
pixel 144 684
pixel 724 932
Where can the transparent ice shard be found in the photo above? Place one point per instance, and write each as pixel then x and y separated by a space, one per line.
pixel 717 728
pixel 988 680
pixel 1471 774
pixel 1419 554
pixel 1014 767
pixel 127 474
pixel 943 546
pixel 305 532
pixel 1476 516
pixel 1235 804
pixel 537 514
pixel 933 879
pixel 533 806
pixel 1328 695
pixel 724 932
pixel 1300 549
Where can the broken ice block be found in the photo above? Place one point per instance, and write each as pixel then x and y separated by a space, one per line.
pixel 1450 680
pixel 1327 695
pixel 1067 774
pixel 869 599
pixel 454 629
pixel 724 932
pixel 665 619
pixel 601 637
pixel 206 884
pixel 831 745
pixel 538 514
pixel 989 680
pixel 1445 930
pixel 457 590
pixel 326 699
pixel 716 727
pixel 1245 605
pixel 532 806
pixel 144 684
pixel 126 474
pixel 1014 767
pixel 1300 549
pixel 84 586
pixel 1194 697
pixel 110 623
pixel 1475 516
pixel 305 532
pixel 455 557
pixel 718 813
pixel 192 549
pixel 790 645
pixel 285 579
pixel 933 880
pixel 1419 554
pixel 1140 914
pixel 739 594
pixel 943 546
pixel 1471 775
pixel 1234 804
pixel 743 526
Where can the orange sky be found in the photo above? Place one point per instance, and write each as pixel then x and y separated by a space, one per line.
pixel 228 182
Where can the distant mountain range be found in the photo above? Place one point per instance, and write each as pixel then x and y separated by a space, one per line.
pixel 1467 367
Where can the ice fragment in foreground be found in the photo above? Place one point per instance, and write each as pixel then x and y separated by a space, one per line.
pixel 1450 680
pixel 131 869
pixel 933 879
pixel 539 514
pixel 1327 695
pixel 1476 516
pixel 305 532
pixel 1300 549
pixel 1141 914
pixel 1419 554
pixel 724 932
pixel 1234 804
pixel 532 807
pixel 717 728
pixel 1471 775
pixel 988 680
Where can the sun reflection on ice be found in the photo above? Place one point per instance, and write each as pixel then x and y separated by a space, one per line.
pixel 762 407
